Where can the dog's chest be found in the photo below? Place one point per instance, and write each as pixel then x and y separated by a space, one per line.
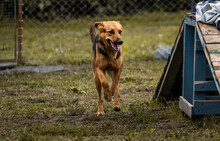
pixel 108 64
pixel 114 64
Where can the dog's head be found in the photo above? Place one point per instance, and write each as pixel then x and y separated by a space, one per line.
pixel 110 33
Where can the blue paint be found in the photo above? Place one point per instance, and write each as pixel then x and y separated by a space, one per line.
pixel 212 71
pixel 208 72
pixel 212 97
pixel 197 69
pixel 203 87
pixel 207 56
pixel 189 21
pixel 214 51
pixel 200 67
pixel 188 61
pixel 206 107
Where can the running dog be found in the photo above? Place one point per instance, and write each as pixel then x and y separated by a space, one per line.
pixel 107 57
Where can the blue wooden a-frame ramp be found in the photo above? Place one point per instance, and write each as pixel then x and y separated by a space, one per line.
pixel 192 73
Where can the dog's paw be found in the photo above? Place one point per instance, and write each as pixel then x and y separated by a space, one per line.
pixel 117 109
pixel 107 95
pixel 99 113
pixel 108 98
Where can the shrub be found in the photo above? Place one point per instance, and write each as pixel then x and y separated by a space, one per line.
pixel 67 9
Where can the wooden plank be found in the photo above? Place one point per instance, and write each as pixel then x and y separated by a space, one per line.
pixel 212 69
pixel 213 97
pixel 203 86
pixel 208 72
pixel 217 74
pixel 208 58
pixel 215 57
pixel 188 62
pixel 208 29
pixel 216 65
pixel 200 74
pixel 214 51
pixel 212 47
pixel 212 100
pixel 212 39
pixel 190 21
pixel 185 106
pixel 202 82
pixel 170 83
pixel 205 107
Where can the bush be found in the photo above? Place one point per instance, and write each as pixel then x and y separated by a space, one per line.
pixel 51 9
pixel 7 8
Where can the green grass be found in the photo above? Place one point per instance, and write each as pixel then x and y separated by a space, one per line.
pixel 68 42
pixel 62 105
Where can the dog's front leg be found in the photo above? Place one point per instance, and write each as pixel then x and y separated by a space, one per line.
pixel 99 90
pixel 115 90
pixel 105 85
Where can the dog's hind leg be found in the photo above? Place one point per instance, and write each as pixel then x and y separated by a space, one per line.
pixel 99 90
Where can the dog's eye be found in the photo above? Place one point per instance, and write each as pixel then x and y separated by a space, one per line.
pixel 111 32
pixel 120 32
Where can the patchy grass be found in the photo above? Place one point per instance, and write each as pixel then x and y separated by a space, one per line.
pixel 62 106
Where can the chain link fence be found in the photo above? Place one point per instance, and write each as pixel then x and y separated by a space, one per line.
pixel 7 30
pixel 57 31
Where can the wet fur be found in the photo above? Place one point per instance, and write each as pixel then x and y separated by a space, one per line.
pixel 101 64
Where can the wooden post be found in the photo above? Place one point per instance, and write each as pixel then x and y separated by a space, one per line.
pixel 188 59
pixel 20 28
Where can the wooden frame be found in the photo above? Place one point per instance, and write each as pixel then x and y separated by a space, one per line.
pixel 197 53
pixel 200 91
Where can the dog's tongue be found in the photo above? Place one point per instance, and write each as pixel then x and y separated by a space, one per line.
pixel 114 46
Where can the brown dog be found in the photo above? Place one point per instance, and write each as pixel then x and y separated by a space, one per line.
pixel 107 56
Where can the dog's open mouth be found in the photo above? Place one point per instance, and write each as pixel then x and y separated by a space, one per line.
pixel 114 46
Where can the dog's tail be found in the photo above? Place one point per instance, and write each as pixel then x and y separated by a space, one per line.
pixel 92 32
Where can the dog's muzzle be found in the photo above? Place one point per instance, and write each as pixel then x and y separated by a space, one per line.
pixel 120 42
pixel 115 45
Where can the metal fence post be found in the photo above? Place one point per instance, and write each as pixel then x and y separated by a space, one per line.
pixel 20 28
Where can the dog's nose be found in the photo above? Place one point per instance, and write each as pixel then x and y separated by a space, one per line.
pixel 120 42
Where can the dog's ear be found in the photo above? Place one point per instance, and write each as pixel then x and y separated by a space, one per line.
pixel 100 26
pixel 97 24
